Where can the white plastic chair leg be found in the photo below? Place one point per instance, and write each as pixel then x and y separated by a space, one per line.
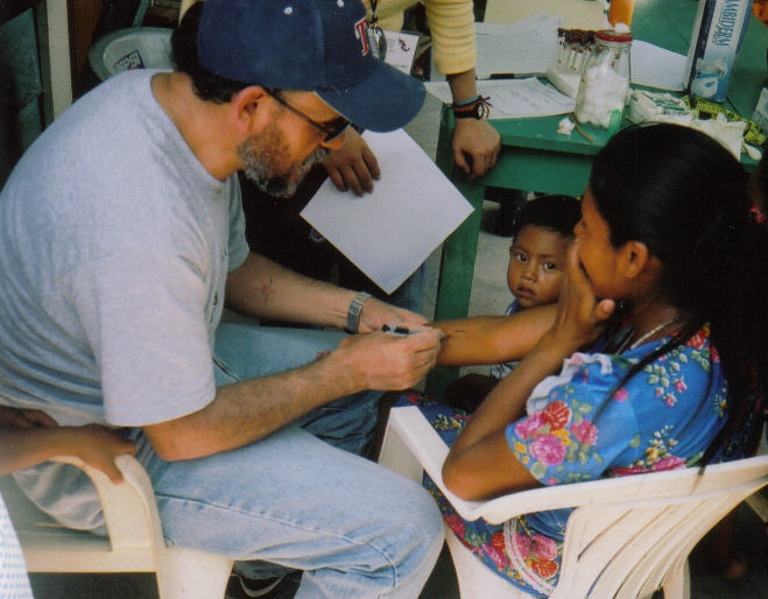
pixel 678 584
pixel 189 574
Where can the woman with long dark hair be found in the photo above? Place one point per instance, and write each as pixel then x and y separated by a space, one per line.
pixel 655 358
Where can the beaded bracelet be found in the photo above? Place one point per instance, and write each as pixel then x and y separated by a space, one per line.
pixel 477 107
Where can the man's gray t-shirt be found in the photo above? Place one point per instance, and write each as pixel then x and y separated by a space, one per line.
pixel 115 243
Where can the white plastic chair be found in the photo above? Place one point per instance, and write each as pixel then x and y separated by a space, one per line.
pixel 626 538
pixel 131 48
pixel 135 542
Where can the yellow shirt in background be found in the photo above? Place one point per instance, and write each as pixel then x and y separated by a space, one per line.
pixel 451 22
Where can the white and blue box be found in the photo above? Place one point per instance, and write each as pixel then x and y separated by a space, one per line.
pixel 717 33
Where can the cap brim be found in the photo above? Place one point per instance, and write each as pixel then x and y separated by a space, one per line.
pixel 387 100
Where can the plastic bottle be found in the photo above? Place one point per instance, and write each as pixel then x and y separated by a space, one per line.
pixel 621 11
pixel 604 85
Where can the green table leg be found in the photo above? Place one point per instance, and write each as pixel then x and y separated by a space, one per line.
pixel 457 266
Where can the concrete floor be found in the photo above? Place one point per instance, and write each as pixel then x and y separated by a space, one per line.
pixel 489 296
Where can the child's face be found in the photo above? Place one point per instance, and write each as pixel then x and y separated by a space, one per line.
pixel 536 266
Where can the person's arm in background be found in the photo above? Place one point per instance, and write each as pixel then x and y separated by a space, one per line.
pixel 30 437
pixel 475 143
pixel 354 166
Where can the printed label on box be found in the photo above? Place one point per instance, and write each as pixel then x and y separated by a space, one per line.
pixel 717 33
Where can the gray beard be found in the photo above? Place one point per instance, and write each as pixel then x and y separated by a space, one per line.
pixel 257 171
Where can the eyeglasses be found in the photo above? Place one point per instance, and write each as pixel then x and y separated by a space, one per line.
pixel 332 130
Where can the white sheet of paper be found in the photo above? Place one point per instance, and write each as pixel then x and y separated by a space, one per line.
pixel 656 67
pixel 528 46
pixel 389 233
pixel 514 98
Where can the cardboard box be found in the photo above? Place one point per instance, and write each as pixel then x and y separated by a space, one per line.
pixel 717 33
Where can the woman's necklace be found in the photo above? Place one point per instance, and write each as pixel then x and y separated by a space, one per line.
pixel 645 337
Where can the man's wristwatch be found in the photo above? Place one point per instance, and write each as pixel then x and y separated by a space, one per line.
pixel 355 310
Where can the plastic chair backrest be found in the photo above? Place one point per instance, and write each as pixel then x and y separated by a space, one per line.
pixel 131 48
pixel 627 536
pixel 135 542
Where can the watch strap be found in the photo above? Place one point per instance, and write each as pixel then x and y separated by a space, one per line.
pixel 355 310
pixel 474 108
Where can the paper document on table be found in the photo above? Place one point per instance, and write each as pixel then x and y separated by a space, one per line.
pixel 576 14
pixel 527 46
pixel 656 67
pixel 514 98
pixel 389 233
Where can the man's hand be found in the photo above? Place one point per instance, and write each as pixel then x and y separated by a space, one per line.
pixel 475 146
pixel 376 314
pixel 354 165
pixel 391 362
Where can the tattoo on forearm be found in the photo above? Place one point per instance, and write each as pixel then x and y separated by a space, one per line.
pixel 266 291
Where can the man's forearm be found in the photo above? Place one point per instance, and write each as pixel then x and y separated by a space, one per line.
pixel 244 412
pixel 264 289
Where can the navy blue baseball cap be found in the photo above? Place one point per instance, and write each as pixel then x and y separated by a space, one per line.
pixel 308 45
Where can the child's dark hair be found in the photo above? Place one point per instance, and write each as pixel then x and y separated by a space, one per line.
pixel 557 213
pixel 684 196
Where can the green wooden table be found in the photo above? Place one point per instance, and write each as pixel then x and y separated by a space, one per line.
pixel 535 157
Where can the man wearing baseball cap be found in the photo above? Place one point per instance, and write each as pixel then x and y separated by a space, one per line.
pixel 121 241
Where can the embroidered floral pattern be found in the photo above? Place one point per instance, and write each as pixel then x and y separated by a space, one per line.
pixel 560 433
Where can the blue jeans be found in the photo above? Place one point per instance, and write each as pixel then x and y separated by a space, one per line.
pixel 297 499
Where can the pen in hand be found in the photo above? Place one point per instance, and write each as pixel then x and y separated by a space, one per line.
pixel 396 329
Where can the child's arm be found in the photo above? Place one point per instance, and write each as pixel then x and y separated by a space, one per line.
pixel 30 437
pixel 491 339
pixel 480 464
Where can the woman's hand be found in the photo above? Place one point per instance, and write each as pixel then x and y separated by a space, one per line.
pixel 581 317
pixel 354 165
pixel 476 145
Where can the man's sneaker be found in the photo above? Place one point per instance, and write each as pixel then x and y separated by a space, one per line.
pixel 282 587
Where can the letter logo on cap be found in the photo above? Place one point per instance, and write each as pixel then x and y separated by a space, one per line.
pixel 361 33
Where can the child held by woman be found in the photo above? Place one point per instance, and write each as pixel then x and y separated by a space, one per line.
pixel 541 235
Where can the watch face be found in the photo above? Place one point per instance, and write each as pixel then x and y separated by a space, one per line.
pixel 477 111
